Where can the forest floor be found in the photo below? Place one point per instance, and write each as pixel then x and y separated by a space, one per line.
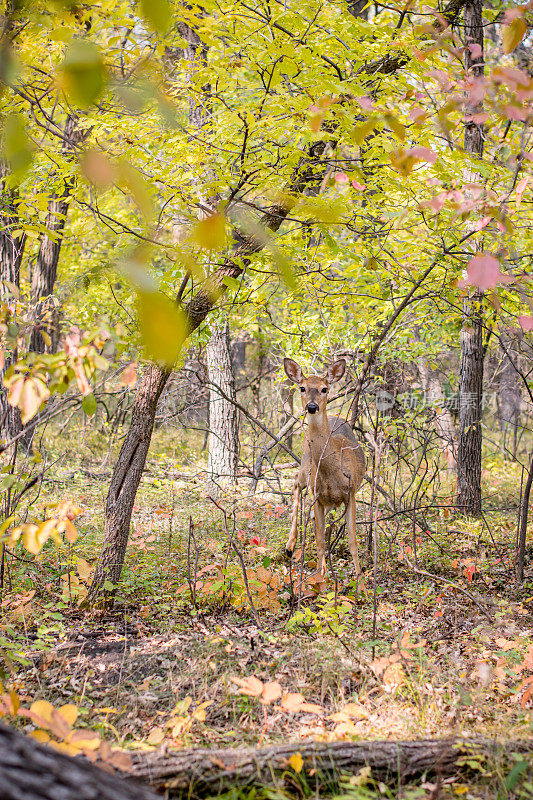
pixel 438 640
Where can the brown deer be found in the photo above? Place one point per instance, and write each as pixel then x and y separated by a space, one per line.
pixel 333 463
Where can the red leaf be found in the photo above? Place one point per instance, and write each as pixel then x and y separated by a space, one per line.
pixel 484 271
pixel 366 103
pixel 341 177
pixel 526 322
pixel 359 186
pixel 476 51
pixel 423 153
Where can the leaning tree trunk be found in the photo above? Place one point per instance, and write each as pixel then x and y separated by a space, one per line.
pixel 125 481
pixel 223 417
pixel 472 351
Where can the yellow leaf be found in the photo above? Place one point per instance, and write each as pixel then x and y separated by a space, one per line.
pixel 41 712
pixel 63 747
pixel 84 740
pixel 15 702
pixel 84 569
pixel 71 534
pixel 34 392
pixel 69 712
pixel 296 762
pixel 513 34
pixel 211 232
pixel 163 326
pixel 40 736
pixel 156 736
pixel 15 390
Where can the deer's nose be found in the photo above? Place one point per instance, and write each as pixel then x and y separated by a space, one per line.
pixel 312 408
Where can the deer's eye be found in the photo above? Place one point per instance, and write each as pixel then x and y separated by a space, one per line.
pixel 302 388
pixel 324 389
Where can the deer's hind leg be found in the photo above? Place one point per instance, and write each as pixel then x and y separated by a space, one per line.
pixel 351 527
pixel 293 535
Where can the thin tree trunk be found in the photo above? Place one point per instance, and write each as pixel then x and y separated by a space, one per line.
pixel 524 513
pixel 223 416
pixel 11 252
pixel 472 351
pixel 45 334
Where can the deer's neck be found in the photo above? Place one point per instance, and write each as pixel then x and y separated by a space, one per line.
pixel 319 434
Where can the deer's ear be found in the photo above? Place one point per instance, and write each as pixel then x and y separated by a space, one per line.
pixel 293 370
pixel 336 370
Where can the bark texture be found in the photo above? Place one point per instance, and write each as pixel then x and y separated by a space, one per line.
pixel 125 479
pixel 223 416
pixel 11 252
pixel 472 351
pixel 29 771
pixel 45 333
pixel 206 772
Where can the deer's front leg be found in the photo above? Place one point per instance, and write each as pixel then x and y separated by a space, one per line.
pixel 320 518
pixel 293 535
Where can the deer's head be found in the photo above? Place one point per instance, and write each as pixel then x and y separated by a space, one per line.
pixel 314 390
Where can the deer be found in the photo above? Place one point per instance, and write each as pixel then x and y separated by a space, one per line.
pixel 333 463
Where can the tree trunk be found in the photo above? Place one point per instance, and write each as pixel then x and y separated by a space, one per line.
pixel 45 334
pixel 125 481
pixel 223 416
pixel 472 351
pixel 11 252
pixel 523 515
pixel 29 771
pixel 208 772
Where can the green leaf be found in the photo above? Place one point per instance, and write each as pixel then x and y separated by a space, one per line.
pixel 163 326
pixel 514 776
pixel 17 147
pixel 83 72
pixel 89 404
pixel 231 283
pixel 156 14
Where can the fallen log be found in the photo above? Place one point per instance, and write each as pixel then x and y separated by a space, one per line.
pixel 29 771
pixel 204 772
